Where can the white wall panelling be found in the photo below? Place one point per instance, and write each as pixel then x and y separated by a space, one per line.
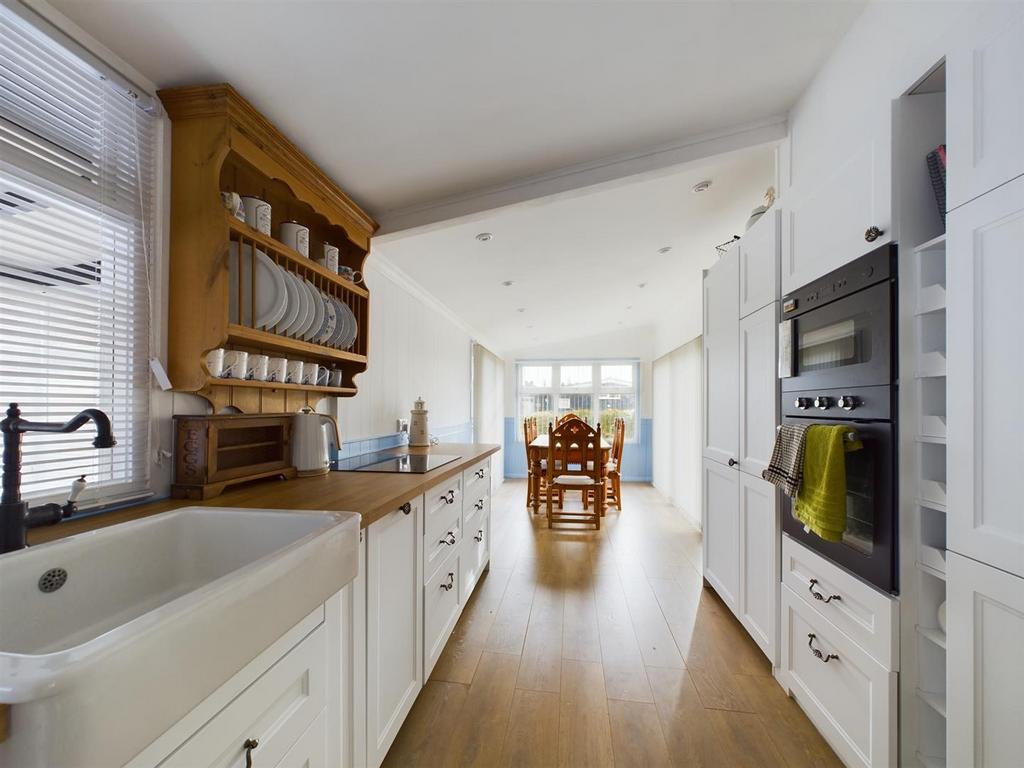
pixel 489 404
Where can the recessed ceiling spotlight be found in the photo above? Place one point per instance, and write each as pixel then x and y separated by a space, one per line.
pixel 664 249
pixel 485 237
pixel 702 186
pixel 641 285
pixel 521 309
pixel 529 327
pixel 629 306
pixel 506 283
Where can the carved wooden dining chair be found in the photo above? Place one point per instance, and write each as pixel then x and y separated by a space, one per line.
pixel 566 417
pixel 574 463
pixel 614 469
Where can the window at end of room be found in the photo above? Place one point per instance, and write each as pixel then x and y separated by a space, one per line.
pixel 598 392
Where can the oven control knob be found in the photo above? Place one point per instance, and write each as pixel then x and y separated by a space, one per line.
pixel 822 403
pixel 848 402
pixel 803 403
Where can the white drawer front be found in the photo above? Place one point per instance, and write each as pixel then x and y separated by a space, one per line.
pixel 436 549
pixel 475 553
pixel 851 699
pixel 867 616
pixel 474 506
pixel 477 479
pixel 440 610
pixel 439 504
pixel 310 751
pixel 275 710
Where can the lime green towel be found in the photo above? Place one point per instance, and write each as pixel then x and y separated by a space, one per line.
pixel 821 502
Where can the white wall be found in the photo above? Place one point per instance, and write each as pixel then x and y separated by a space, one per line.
pixel 415 350
pixel 677 396
pixel 488 405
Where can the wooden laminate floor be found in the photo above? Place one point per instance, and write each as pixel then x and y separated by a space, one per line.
pixel 600 648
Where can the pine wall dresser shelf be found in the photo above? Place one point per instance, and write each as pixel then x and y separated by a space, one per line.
pixel 220 143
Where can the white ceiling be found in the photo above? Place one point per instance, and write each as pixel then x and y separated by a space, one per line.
pixel 576 260
pixel 404 103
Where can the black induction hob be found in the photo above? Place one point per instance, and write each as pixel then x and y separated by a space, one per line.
pixel 386 461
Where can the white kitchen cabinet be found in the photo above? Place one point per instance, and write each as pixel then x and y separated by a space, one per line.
pixel 985 118
pixel 985 368
pixel 758 604
pixel 721 531
pixel 847 694
pixel 825 224
pixel 720 346
pixel 442 604
pixel 985 668
pixel 357 720
pixel 758 395
pixel 394 624
pixel 759 263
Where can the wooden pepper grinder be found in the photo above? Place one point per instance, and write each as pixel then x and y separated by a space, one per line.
pixel 419 432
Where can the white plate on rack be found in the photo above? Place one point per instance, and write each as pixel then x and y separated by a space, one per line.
pixel 305 309
pixel 305 331
pixel 292 311
pixel 330 320
pixel 318 311
pixel 271 293
pixel 339 329
pixel 351 328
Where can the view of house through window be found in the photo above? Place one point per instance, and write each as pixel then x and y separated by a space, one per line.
pixel 598 392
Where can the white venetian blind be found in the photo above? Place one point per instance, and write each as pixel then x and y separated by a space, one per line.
pixel 76 201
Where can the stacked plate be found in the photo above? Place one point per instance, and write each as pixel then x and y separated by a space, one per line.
pixel 286 303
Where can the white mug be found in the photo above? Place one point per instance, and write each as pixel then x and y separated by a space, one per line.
pixel 295 236
pixel 323 376
pixel 233 203
pixel 257 213
pixel 330 258
pixel 257 367
pixel 350 274
pixel 335 378
pixel 294 372
pixel 235 364
pixel 310 372
pixel 277 369
pixel 215 362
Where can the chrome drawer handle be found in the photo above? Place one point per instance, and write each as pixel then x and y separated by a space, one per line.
pixel 451 583
pixel 479 535
pixel 249 745
pixel 449 498
pixel 449 539
pixel 480 473
pixel 479 505
pixel 811 637
pixel 819 596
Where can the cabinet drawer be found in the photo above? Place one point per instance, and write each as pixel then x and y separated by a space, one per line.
pixel 851 698
pixel 440 609
pixel 310 751
pixel 474 506
pixel 439 504
pixel 864 614
pixel 477 479
pixel 437 548
pixel 476 553
pixel 275 710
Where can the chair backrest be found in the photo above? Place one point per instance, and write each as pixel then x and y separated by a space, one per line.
pixel 619 441
pixel 566 417
pixel 574 448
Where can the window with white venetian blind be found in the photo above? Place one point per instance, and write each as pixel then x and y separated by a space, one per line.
pixel 76 202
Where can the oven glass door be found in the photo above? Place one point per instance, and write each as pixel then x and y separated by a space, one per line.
pixel 843 344
pixel 868 545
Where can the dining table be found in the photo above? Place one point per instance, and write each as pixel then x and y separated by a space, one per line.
pixel 538 451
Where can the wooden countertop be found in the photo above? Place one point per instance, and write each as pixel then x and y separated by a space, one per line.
pixel 371 494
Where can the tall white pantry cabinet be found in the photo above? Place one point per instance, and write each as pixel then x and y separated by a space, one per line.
pixel 740 509
pixel 985 369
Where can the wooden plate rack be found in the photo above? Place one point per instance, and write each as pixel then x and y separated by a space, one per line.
pixel 221 143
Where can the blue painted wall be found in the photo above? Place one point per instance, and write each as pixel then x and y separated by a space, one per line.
pixel 636 457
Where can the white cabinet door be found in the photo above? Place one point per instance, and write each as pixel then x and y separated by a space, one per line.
pixel 358 703
pixel 394 637
pixel 824 227
pixel 721 531
pixel 759 264
pixel 984 665
pixel 721 364
pixel 759 562
pixel 985 112
pixel 985 361
pixel 758 400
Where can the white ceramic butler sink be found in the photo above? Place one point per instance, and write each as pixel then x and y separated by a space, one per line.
pixel 153 616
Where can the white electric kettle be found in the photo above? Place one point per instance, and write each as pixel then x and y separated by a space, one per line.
pixel 314 439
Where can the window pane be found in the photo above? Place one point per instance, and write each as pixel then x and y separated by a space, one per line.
pixel 539 406
pixel 617 376
pixel 618 405
pixel 576 376
pixel 535 376
pixel 579 404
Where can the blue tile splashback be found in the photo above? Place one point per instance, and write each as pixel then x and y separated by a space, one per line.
pixel 636 457
pixel 459 433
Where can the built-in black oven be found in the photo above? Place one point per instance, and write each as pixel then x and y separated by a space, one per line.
pixel 837 365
